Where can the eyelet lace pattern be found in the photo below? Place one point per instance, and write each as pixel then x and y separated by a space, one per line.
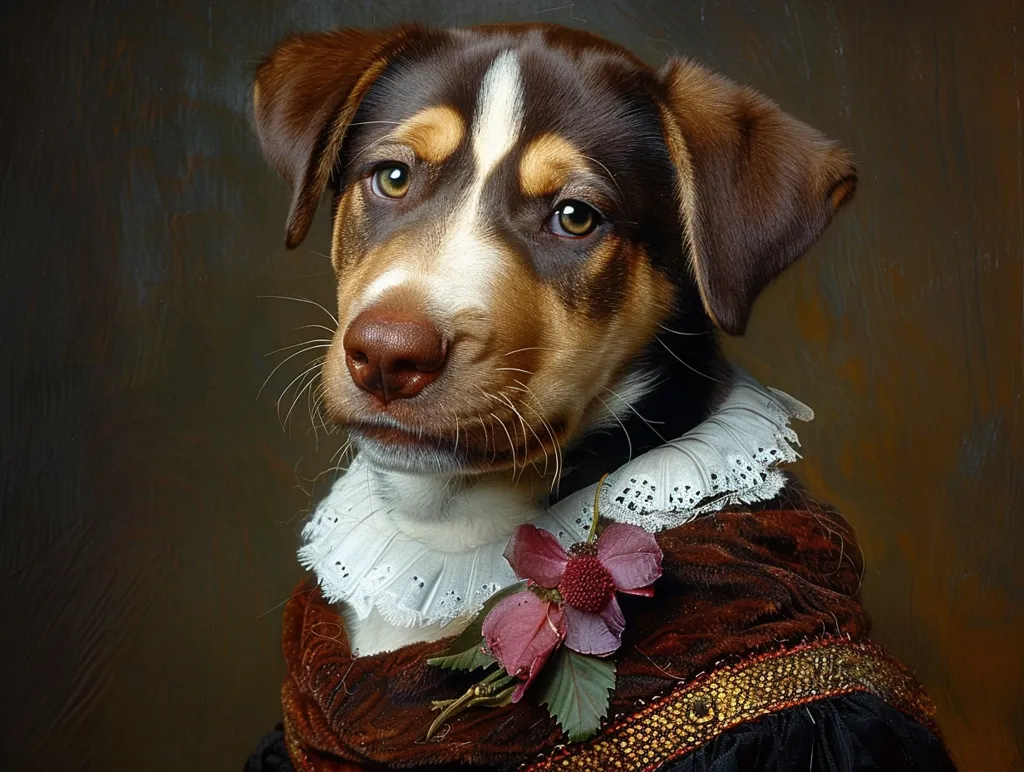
pixel 354 545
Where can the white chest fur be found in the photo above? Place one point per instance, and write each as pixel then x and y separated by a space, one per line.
pixel 448 520
pixel 412 556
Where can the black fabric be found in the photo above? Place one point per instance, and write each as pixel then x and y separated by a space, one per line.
pixel 854 733
pixel 271 755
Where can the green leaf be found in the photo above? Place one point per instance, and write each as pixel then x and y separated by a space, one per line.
pixel 472 658
pixel 576 689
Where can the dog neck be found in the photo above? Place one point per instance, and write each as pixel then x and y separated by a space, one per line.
pixel 458 514
pixel 690 377
pixel 441 515
pixel 444 514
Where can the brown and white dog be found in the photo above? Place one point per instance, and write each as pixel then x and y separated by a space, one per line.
pixel 534 236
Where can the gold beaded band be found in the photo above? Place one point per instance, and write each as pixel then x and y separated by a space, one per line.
pixel 713 703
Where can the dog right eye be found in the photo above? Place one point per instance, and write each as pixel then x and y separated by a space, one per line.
pixel 574 219
pixel 390 181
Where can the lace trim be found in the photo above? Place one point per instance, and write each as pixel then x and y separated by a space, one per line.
pixel 361 558
pixel 354 545
pixel 730 458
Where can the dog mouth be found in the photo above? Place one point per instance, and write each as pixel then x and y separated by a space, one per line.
pixel 475 445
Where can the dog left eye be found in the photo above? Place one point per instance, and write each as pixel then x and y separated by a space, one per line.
pixel 390 180
pixel 574 219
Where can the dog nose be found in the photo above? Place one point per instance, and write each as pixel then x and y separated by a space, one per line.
pixel 394 355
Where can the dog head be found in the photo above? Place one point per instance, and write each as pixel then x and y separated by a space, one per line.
pixel 516 212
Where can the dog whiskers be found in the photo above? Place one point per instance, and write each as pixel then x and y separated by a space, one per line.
pixel 513 441
pixel 315 326
pixel 520 350
pixel 526 440
pixel 311 369
pixel 335 463
pixel 684 362
pixel 555 450
pixel 550 348
pixel 315 413
pixel 311 399
pixel 285 361
pixel 629 440
pixel 611 176
pixel 370 123
pixel 484 427
pixel 369 146
pixel 650 424
pixel 676 332
pixel 296 345
pixel 555 447
pixel 494 440
pixel 303 300
pixel 510 442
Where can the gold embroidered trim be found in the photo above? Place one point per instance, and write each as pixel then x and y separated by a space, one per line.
pixel 710 704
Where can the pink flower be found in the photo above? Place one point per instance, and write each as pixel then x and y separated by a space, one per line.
pixel 571 596
pixel 521 633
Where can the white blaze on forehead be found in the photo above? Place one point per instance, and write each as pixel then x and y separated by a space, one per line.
pixel 499 113
pixel 468 262
pixel 460 275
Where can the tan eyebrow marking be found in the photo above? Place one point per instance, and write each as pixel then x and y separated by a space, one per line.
pixel 433 133
pixel 547 163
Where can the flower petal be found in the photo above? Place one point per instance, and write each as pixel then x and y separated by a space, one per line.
pixel 520 690
pixel 631 555
pixel 537 555
pixel 589 633
pixel 646 592
pixel 614 618
pixel 521 632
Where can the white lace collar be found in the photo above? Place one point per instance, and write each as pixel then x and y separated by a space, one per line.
pixel 370 554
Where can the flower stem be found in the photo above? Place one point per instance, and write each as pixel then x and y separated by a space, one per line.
pixel 597 514
pixel 492 677
pixel 493 691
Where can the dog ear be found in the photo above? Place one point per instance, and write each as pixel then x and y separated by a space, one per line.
pixel 305 95
pixel 756 186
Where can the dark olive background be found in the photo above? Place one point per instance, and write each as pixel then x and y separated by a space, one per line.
pixel 151 502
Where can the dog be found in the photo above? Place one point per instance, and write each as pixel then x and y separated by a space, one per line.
pixel 535 237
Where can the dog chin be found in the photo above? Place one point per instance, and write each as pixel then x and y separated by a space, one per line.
pixel 405 458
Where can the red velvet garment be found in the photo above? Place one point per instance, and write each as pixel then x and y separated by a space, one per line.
pixel 734 583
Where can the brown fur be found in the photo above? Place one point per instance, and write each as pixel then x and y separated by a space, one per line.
pixel 567 319
pixel 756 186
pixel 547 164
pixel 304 96
pixel 433 133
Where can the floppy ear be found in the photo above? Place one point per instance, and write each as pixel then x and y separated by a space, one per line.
pixel 756 186
pixel 304 97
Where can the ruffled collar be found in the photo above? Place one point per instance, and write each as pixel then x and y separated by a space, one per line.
pixel 370 551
